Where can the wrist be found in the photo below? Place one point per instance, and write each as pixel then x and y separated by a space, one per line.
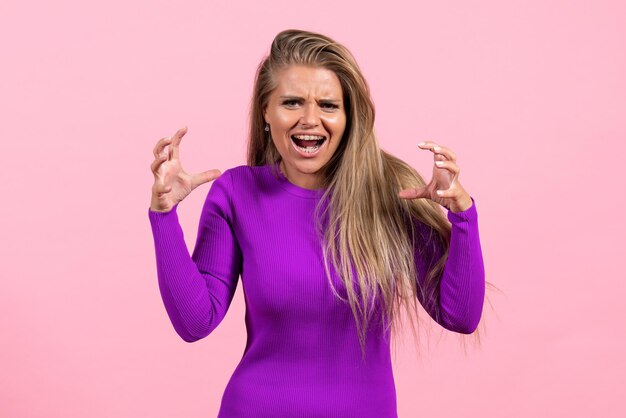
pixel 156 206
pixel 462 204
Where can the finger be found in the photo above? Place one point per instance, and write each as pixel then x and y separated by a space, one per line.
pixel 447 152
pixel 438 149
pixel 159 146
pixel 426 144
pixel 157 163
pixel 431 146
pixel 448 165
pixel 444 193
pixel 452 193
pixel 411 193
pixel 178 136
pixel 205 177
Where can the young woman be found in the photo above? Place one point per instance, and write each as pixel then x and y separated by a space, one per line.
pixel 331 237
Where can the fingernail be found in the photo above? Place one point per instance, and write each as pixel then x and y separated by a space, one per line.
pixel 436 148
pixel 422 143
pixel 439 192
pixel 439 162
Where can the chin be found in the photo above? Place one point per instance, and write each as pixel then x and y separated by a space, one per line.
pixel 308 166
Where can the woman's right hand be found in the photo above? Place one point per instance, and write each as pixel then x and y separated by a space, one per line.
pixel 171 183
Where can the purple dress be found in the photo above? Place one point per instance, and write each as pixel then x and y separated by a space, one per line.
pixel 302 357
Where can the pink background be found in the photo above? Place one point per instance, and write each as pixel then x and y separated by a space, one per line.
pixel 530 95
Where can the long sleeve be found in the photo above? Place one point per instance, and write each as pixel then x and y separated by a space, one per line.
pixel 462 288
pixel 197 290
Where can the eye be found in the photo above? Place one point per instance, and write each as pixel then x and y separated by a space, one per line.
pixel 290 102
pixel 330 105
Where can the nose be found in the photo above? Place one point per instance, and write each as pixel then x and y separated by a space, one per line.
pixel 310 116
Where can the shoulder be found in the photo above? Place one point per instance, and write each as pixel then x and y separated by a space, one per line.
pixel 238 188
pixel 243 173
pixel 237 182
pixel 221 196
pixel 247 178
pixel 238 174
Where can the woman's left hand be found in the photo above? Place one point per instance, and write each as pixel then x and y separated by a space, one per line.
pixel 445 180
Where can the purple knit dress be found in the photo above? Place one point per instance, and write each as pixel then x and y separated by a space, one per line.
pixel 302 357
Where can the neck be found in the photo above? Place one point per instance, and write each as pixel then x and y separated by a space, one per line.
pixel 305 181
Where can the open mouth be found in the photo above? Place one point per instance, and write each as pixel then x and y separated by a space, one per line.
pixel 308 143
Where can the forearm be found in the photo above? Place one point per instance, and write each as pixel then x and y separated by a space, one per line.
pixel 462 287
pixel 183 289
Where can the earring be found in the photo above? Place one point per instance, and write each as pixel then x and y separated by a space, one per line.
pixel 267 127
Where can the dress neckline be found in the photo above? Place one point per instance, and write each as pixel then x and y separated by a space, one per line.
pixel 294 189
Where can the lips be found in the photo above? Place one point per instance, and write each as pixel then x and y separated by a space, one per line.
pixel 308 141
pixel 309 151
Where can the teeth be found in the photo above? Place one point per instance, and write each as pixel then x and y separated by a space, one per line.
pixel 309 149
pixel 308 137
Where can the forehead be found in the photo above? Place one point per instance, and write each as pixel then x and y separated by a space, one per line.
pixel 304 80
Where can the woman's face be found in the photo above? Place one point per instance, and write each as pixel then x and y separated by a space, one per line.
pixel 307 119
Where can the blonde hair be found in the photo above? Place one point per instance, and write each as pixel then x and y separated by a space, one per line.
pixel 367 232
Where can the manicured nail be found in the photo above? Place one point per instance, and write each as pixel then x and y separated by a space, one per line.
pixel 440 192
pixel 421 143
pixel 439 162
pixel 436 148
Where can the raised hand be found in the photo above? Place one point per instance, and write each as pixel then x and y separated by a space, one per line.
pixel 171 183
pixel 444 187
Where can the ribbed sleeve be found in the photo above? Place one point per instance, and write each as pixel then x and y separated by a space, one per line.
pixel 461 292
pixel 197 290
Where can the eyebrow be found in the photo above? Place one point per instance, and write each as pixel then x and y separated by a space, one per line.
pixel 302 98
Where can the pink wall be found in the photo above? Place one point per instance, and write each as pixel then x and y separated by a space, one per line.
pixel 530 95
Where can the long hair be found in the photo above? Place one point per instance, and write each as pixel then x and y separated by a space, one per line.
pixel 367 231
